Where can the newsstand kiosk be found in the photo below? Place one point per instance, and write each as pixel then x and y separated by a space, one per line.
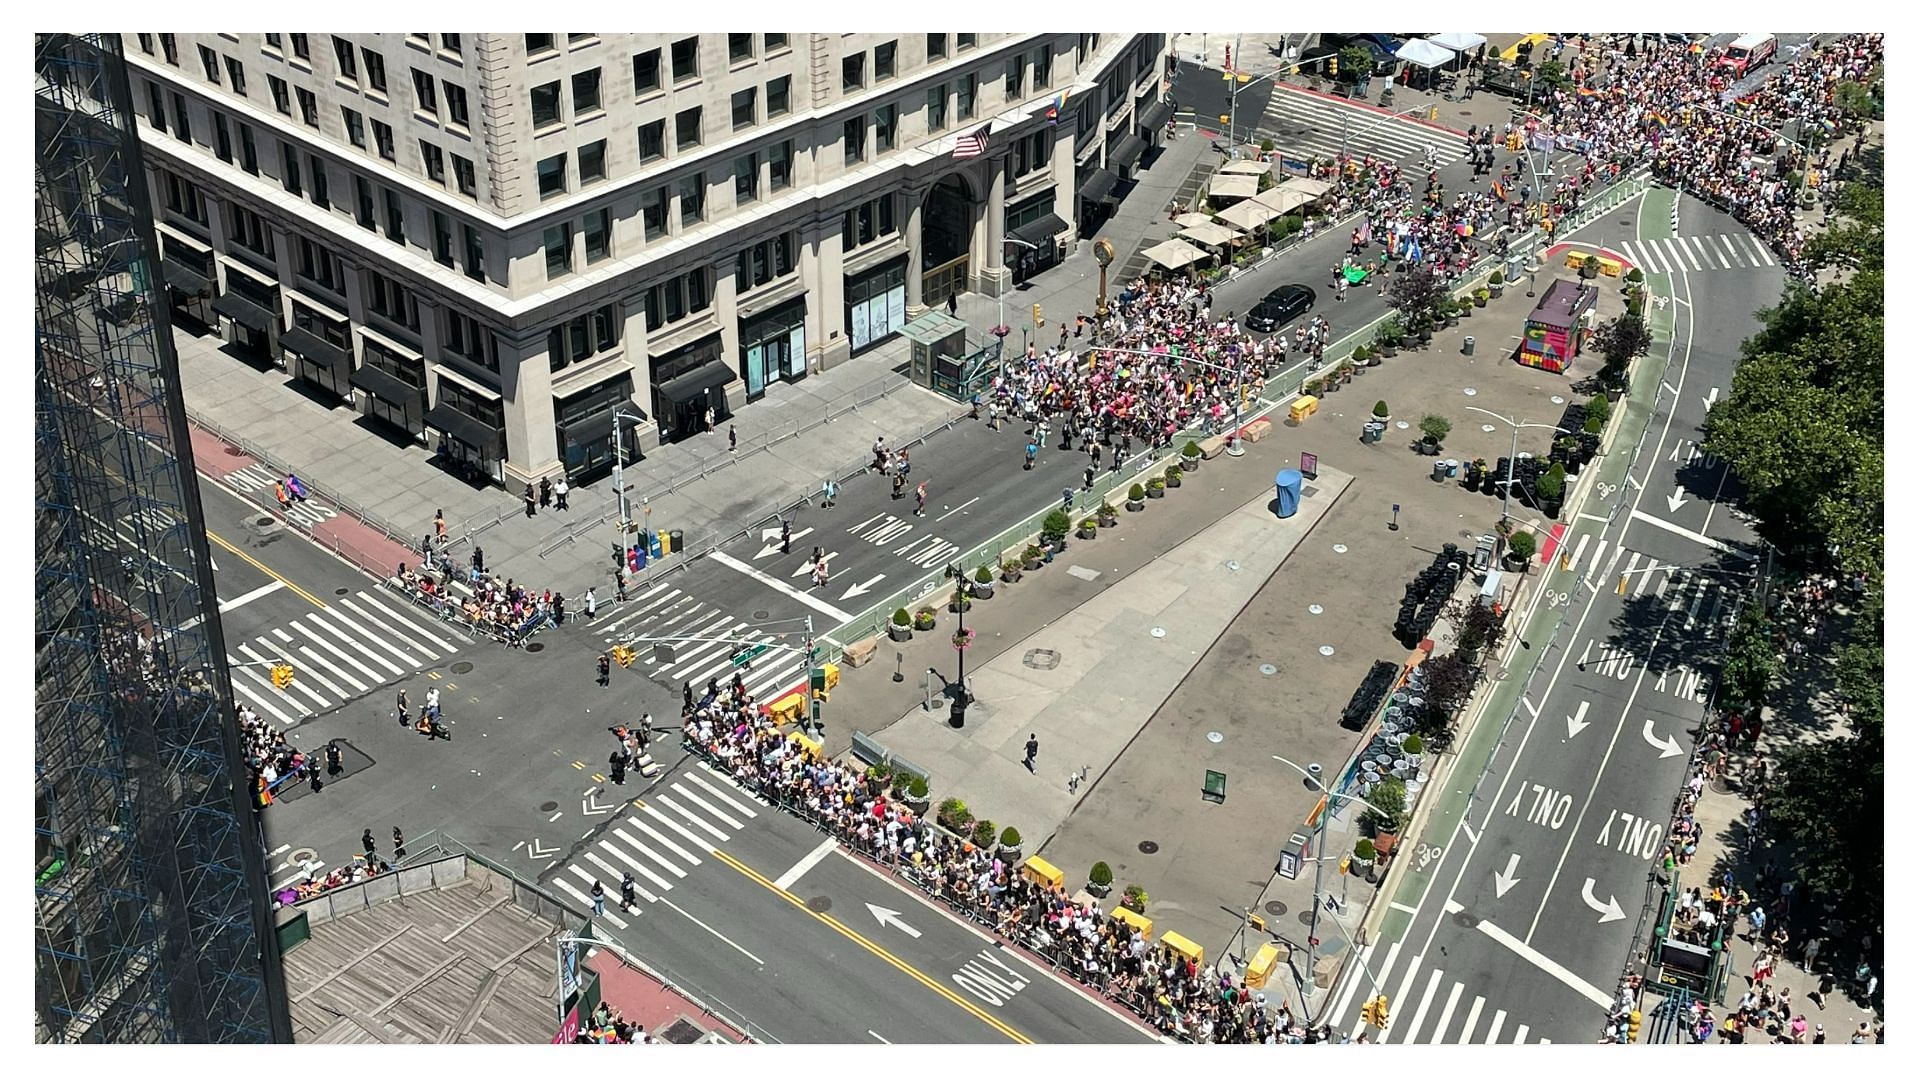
pixel 1558 327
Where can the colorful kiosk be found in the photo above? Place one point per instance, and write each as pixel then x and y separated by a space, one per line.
pixel 1558 327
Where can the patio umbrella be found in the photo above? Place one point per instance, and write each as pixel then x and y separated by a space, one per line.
pixel 1459 41
pixel 1192 217
pixel 1233 186
pixel 1174 254
pixel 1424 53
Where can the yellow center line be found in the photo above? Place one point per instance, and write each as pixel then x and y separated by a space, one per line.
pixel 929 982
pixel 264 569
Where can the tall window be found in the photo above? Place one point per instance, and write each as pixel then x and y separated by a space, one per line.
pixel 456 104
pixel 597 231
pixel 885 127
pixel 363 202
pixel 559 245
pixel 763 262
pixel 653 140
pixel 646 72
pixel 884 60
pixel 396 217
pixel 249 156
pixel 539 43
pixel 583 336
pixel 299 43
pixel 853 72
pixel 779 96
pixel 289 168
pixel 553 176
pixel 739 48
pixel 937 108
pixel 442 239
pixel 854 133
pixel 686 128
pixel 222 139
pixel 391 301
pixel 869 222
pixel 346 59
pixel 376 66
pixel 743 107
pixel 693 199
pixel 210 63
pixel 434 161
pixel 936 46
pixel 383 140
pixel 686 59
pixel 281 100
pixel 476 261
pixel 245 227
pixel 653 213
pixel 546 104
pixel 586 91
pixel 356 129
pixel 969 95
pixel 780 166
pixel 466 338
pixel 1016 77
pixel 309 106
pixel 746 179
pixel 463 176
pixel 322 198
pixel 450 43
pixel 318 265
pixel 676 298
pixel 156 107
pixel 593 162
pixel 237 76
pixel 182 128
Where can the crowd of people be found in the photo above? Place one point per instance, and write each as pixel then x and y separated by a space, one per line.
pixel 494 606
pixel 269 757
pixel 607 1026
pixel 313 884
pixel 1171 992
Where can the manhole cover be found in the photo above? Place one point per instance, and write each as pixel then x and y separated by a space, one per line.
pixel 1326 651
pixel 263 521
pixel 819 904
pixel 682 1032
pixel 1339 549
pixel 341 591
pixel 1487 428
pixel 461 668
pixel 535 647
pixel 549 806
pixel 1469 392
pixel 1558 400
pixel 1315 609
pixel 1276 908
pixel 1149 847
pixel 1267 669
pixel 302 855
pixel 1305 917
pixel 1043 659
pixel 1214 737
pixel 1159 632
pixel 762 613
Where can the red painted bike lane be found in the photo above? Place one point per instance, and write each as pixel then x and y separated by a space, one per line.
pixel 365 546
pixel 651 1004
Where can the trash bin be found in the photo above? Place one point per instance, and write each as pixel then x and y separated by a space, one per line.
pixel 1453 470
pixel 1439 471
pixel 679 544
pixel 1466 347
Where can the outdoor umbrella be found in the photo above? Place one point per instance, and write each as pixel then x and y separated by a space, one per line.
pixel 1424 53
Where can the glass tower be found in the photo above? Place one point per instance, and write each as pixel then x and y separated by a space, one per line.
pixel 151 915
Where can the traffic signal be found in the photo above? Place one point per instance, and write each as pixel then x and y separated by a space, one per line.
pixel 1633 1027
pixel 1621 589
pixel 282 675
pixel 1367 1011
pixel 1038 321
pixel 1333 65
pixel 622 655
pixel 1374 1011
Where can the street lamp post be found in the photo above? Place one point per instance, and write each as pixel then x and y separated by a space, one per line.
pixel 1000 298
pixel 957 712
pixel 1320 852
pixel 1513 451
pixel 620 413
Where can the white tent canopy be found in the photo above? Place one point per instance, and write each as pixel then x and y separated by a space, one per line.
pixel 1233 186
pixel 1459 40
pixel 1250 168
pixel 1424 53
pixel 1210 234
pixel 1282 201
pixel 1307 186
pixel 1248 215
pixel 1174 254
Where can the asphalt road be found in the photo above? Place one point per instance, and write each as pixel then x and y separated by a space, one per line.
pixel 1545 880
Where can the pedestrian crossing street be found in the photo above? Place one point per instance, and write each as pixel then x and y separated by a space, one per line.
pixel 1669 255
pixel 356 644
pixel 1709 602
pixel 666 611
pixel 258 478
pixel 1417 996
pixel 676 828
pixel 1304 126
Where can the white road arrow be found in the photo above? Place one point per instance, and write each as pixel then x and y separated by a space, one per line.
pixel 1668 747
pixel 1677 500
pixel 1578 721
pixel 1504 880
pixel 1713 395
pixel 807 567
pixel 863 587
pixel 533 850
pixel 1609 911
pixel 774 546
pixel 592 805
pixel 889 916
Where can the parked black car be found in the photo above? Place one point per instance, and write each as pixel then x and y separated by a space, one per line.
pixel 1280 307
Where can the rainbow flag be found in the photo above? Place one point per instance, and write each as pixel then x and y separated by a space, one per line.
pixel 1658 118
pixel 1055 106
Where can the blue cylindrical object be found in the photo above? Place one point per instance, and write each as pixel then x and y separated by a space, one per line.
pixel 1286 485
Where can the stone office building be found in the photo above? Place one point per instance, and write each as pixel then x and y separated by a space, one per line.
pixel 495 241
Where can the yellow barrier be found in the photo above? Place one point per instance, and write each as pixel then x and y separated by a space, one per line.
pixel 832 672
pixel 1042 873
pixel 1610 266
pixel 807 743
pixel 1262 964
pixel 1134 920
pixel 788 709
pixel 1184 946
pixel 1576 259
pixel 1303 407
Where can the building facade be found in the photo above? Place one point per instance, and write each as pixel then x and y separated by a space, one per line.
pixel 494 242
pixel 151 919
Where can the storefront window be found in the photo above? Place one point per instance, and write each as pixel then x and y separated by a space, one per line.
pixel 876 305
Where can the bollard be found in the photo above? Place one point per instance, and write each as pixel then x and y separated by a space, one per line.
pixel 1466 347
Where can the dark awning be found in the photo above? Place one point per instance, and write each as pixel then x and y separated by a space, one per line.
pixel 1099 185
pixel 243 310
pixel 184 278
pixel 467 430
pixel 1155 116
pixel 317 349
pixel 589 428
pixel 1126 151
pixel 386 386
pixel 682 389
pixel 1041 230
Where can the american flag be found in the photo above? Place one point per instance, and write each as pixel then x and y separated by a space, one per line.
pixel 971 145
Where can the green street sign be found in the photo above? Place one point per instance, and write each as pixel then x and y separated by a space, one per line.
pixel 748 654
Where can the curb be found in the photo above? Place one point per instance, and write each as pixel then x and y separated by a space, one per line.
pixel 1435 125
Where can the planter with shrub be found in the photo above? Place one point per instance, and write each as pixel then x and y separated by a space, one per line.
pixel 923 620
pixel 1190 456
pixel 1137 498
pixel 1363 854
pixel 959 602
pixel 1010 570
pixel 1480 297
pixel 1107 516
pixel 878 777
pixel 1010 845
pixel 1366 355
pixel 1032 557
pixel 954 815
pixel 983 832
pixel 1496 284
pixel 1156 488
pixel 1520 549
pixel 916 798
pixel 1387 338
pixel 1054 528
pixel 1100 880
pixel 1134 897
pixel 1089 528
pixel 1434 429
pixel 1551 487
pixel 1172 476
pixel 1380 412
pixel 901 629
pixel 983 582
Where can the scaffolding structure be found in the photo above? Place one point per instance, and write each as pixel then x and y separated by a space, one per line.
pixel 152 921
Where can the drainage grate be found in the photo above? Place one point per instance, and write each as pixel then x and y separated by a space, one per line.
pixel 682 1031
pixel 461 668
pixel 535 647
pixel 1045 660
pixel 1149 847
pixel 761 614
pixel 549 806
pixel 341 591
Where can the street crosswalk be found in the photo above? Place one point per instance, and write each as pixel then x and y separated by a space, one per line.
pixel 1304 126
pixel 673 829
pixel 1667 255
pixel 665 611
pixel 1708 601
pixel 356 644
pixel 1417 995
pixel 258 478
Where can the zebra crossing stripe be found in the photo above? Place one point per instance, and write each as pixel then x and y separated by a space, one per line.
pixel 1353 980
pixel 1473 1018
pixel 1645 576
pixel 317 635
pixel 586 900
pixel 295 688
pixel 1393 951
pixel 728 782
pixel 1420 1013
pixel 1406 984
pixel 1727 243
pixel 1520 1034
pixel 690 797
pixel 1573 563
pixel 619 875
pixel 372 641
pixel 1446 1013
pixel 717 793
pixel 1493 1031
pixel 693 819
pixel 640 847
pixel 418 630
pixel 1707 250
pixel 662 838
pixel 1761 248
pixel 259 692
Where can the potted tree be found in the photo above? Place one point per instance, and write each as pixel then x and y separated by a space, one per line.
pixel 1450 311
pixel 1422 327
pixel 1031 557
pixel 1389 794
pixel 1134 897
pixel 1364 354
pixel 1172 476
pixel 983 582
pixel 878 775
pixel 1380 411
pixel 1496 284
pixel 983 833
pixel 1551 487
pixel 1010 570
pixel 1100 880
pixel 1010 845
pixel 1433 432
pixel 923 620
pixel 1462 307
pixel 1635 282
pixel 953 814
pixel 1413 745
pixel 1108 516
pixel 901 630
pixel 1190 456
pixel 1089 528
pixel 1156 488
pixel 1520 548
pixel 916 798
pixel 1136 498
pixel 1363 854
pixel 1480 297
pixel 1054 528
pixel 1389 334
pixel 1590 267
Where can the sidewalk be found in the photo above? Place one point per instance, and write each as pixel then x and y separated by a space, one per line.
pixel 666 1014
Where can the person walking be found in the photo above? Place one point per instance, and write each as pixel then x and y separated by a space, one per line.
pixel 440 524
pixel 1033 451
pixel 399 845
pixel 546 493
pixel 280 493
pixel 899 485
pixel 709 418
pixel 1033 750
pixel 599 898
pixel 400 703
pixel 529 497
pixel 620 584
pixel 606 669
pixel 560 493
pixel 828 490
pixel 786 537
pixel 367 845
pixel 617 765
pixel 479 560
pixel 920 500
pixel 733 439
pixel 591 601
pixel 334 765
pixel 953 304
pixel 628 889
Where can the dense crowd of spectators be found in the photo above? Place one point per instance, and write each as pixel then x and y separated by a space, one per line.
pixel 496 607
pixel 268 755
pixel 1173 993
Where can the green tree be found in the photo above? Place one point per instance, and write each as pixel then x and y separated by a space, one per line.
pixel 1857 240
pixel 1751 661
pixel 1416 292
pixel 1355 63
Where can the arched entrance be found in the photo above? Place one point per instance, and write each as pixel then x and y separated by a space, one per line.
pixel 946 235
